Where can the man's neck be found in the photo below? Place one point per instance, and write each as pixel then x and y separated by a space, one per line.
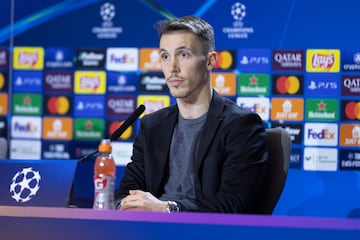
pixel 192 109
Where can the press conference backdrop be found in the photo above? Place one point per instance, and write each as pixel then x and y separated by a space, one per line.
pixel 72 71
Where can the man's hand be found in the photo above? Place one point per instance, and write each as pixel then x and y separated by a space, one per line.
pixel 138 200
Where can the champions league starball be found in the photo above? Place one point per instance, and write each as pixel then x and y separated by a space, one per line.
pixel 238 11
pixel 107 11
pixel 25 184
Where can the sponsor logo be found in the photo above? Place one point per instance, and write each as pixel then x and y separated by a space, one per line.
pixel 3 81
pixel 122 82
pixel 122 59
pixel 122 152
pixel 153 103
pixel 259 105
pixel 321 134
pixel 295 131
pixel 112 126
pixel 320 159
pixel 350 60
pixel 57 105
pixel 120 106
pixel 25 149
pixel 59 58
pixel 322 85
pixel 224 83
pixel 58 81
pixel 27 104
pixel 254 60
pixel 254 84
pixel 3 103
pixel 3 126
pixel 226 60
pixel 4 58
pixel 322 60
pixel 238 30
pixel 84 148
pixel 288 84
pixel 56 150
pixel 107 30
pixel 288 60
pixel 321 109
pixel 153 82
pixel 89 129
pixel 349 159
pixel 90 58
pixel 57 128
pixel 28 81
pixel 295 158
pixel 350 110
pixel 88 82
pixel 85 106
pixel 28 58
pixel 150 59
pixel 350 85
pixel 350 135
pixel 26 127
pixel 288 109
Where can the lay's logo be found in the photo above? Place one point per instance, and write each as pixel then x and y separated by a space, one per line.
pixel 28 58
pixel 88 82
pixel 318 60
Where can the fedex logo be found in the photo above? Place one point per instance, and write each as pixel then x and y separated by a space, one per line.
pixel 259 105
pixel 125 59
pixel 321 134
pixel 324 134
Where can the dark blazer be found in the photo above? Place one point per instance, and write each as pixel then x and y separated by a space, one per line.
pixel 229 166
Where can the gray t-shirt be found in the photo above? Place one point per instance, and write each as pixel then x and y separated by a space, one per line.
pixel 180 186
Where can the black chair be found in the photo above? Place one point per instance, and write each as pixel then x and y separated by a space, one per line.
pixel 3 148
pixel 279 145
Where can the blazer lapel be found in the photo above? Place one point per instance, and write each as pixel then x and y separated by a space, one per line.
pixel 210 127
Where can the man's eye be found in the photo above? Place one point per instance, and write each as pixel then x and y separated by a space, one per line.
pixel 164 57
pixel 184 55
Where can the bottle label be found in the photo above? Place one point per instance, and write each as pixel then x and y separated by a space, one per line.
pixel 104 192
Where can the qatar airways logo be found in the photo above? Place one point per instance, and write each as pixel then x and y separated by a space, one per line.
pixel 288 60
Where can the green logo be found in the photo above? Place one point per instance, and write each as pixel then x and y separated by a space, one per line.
pixel 27 104
pixel 89 129
pixel 254 84
pixel 322 109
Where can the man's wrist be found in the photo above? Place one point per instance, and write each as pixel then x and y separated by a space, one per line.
pixel 172 206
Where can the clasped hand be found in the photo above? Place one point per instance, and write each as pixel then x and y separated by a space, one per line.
pixel 138 200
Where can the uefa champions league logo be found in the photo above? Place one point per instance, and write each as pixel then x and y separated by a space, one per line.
pixel 238 11
pixel 25 184
pixel 107 11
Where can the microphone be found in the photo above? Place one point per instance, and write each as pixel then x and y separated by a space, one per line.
pixel 118 132
pixel 115 135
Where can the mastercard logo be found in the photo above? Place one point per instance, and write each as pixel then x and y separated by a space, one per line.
pixel 225 60
pixel 287 84
pixel 115 125
pixel 2 81
pixel 352 110
pixel 58 105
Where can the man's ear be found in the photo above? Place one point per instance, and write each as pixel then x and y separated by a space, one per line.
pixel 212 60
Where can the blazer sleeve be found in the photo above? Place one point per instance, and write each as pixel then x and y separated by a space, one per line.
pixel 241 143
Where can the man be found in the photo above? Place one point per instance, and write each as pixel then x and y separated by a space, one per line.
pixel 202 154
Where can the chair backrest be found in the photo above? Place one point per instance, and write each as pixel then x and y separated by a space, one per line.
pixel 3 148
pixel 279 145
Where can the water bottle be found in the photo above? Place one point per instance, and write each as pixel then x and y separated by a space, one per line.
pixel 104 177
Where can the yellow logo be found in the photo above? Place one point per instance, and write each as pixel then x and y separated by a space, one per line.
pixel 323 60
pixel 28 58
pixel 90 82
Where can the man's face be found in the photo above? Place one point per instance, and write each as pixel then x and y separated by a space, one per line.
pixel 184 64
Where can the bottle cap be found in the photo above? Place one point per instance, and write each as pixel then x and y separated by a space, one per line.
pixel 105 146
